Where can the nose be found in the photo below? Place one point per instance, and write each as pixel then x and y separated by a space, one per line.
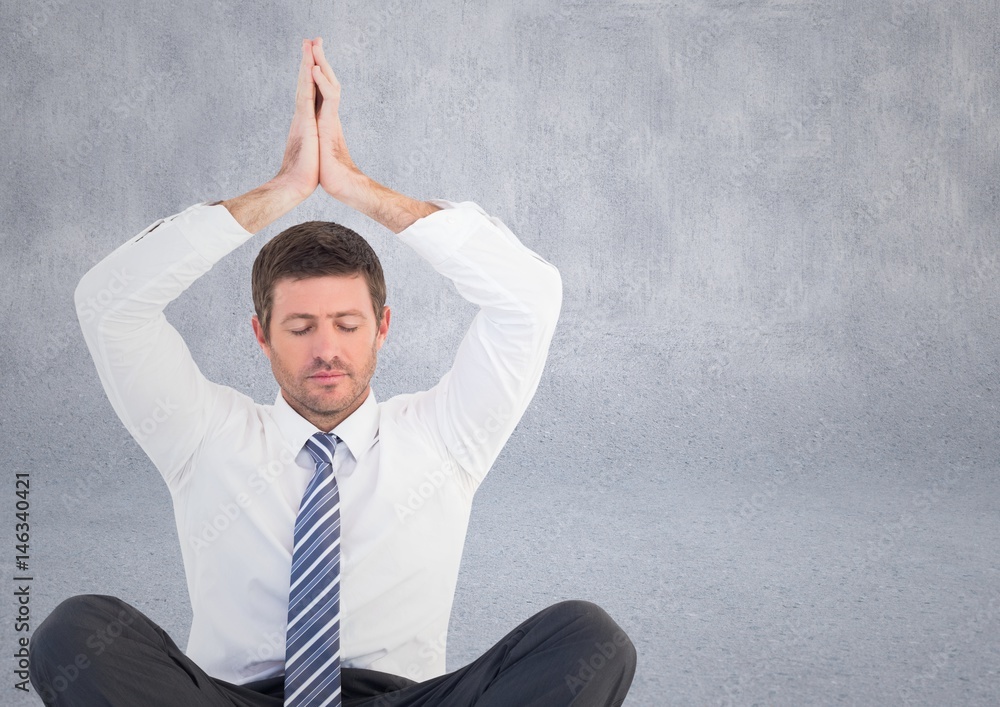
pixel 326 343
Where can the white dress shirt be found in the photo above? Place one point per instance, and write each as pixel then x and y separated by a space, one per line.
pixel 237 469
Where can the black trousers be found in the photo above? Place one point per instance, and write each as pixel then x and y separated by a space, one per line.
pixel 95 651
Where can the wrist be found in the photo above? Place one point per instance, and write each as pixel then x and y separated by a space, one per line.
pixel 260 207
pixel 354 191
pixel 287 190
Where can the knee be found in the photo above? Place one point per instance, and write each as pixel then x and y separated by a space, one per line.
pixel 604 642
pixel 77 631
pixel 79 623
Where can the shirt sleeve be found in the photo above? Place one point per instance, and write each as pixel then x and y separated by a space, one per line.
pixel 476 405
pixel 146 369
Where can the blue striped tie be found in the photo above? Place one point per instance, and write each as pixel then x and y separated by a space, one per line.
pixel 312 640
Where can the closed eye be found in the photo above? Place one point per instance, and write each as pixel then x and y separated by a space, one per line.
pixel 302 332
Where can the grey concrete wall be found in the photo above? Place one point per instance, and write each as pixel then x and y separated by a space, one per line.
pixel 766 438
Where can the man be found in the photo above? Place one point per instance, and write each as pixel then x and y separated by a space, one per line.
pixel 321 536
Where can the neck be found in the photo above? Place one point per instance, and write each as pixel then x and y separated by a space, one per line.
pixel 326 421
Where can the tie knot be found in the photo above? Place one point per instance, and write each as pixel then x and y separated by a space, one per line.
pixel 321 446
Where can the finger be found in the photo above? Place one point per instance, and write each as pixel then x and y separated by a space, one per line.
pixel 321 61
pixel 305 91
pixel 330 91
pixel 328 118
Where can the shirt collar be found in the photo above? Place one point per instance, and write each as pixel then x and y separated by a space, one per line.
pixel 359 431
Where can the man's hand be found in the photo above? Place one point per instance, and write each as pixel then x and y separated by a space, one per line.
pixel 299 173
pixel 316 153
pixel 300 165
pixel 338 174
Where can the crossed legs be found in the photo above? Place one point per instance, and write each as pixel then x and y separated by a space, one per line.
pixel 97 650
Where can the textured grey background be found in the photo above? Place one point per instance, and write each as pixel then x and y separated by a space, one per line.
pixel 766 438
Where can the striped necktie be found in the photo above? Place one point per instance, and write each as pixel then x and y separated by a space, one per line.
pixel 312 640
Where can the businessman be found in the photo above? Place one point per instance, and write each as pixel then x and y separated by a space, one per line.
pixel 321 535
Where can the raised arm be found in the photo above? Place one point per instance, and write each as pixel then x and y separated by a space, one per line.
pixel 144 365
pixel 475 406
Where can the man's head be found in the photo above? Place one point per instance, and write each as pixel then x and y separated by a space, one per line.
pixel 319 296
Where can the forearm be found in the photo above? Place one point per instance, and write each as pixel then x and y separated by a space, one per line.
pixel 260 207
pixel 393 210
pixel 136 281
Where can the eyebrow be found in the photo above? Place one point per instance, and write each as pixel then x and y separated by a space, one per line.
pixel 313 317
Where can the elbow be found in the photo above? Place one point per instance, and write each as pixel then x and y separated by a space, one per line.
pixel 84 301
pixel 95 292
pixel 550 282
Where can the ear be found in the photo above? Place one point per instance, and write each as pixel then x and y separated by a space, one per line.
pixel 383 329
pixel 258 332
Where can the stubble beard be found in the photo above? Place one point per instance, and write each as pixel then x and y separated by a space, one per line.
pixel 302 388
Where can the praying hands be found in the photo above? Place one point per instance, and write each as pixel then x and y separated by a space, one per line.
pixel 316 154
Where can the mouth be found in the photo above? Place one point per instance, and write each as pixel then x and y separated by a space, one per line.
pixel 328 376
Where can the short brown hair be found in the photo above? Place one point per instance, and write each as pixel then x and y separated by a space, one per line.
pixel 314 249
